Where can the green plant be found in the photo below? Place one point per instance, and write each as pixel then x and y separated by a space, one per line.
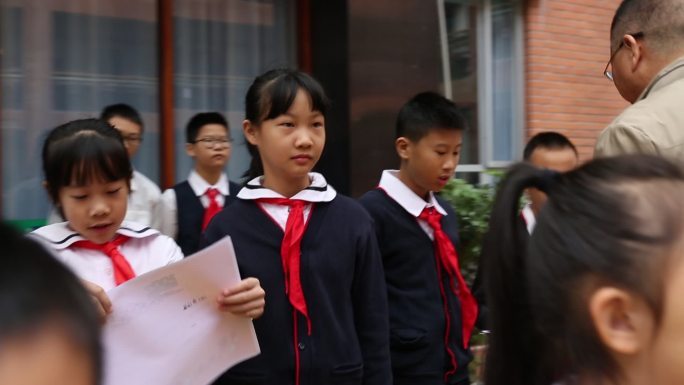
pixel 473 204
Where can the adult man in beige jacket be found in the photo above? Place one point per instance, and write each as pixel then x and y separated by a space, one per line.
pixel 647 45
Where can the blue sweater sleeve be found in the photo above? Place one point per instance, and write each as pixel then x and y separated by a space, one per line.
pixel 370 308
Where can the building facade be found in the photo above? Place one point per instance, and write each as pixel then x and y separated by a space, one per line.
pixel 515 68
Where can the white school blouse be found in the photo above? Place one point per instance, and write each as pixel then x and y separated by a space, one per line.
pixel 146 250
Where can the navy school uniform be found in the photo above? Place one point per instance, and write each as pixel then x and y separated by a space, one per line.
pixel 191 213
pixel 416 312
pixel 341 277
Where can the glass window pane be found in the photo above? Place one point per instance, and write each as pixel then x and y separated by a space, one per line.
pixel 394 53
pixel 503 84
pixel 220 46
pixel 461 24
pixel 63 61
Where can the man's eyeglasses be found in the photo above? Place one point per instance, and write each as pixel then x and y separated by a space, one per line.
pixel 609 74
pixel 211 143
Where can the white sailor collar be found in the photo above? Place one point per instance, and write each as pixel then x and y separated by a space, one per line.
pixel 199 186
pixel 318 191
pixel 410 201
pixel 60 236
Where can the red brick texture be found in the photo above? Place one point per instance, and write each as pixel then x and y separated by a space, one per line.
pixel 566 50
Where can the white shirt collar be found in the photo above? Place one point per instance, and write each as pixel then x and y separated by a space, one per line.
pixel 318 191
pixel 528 216
pixel 134 181
pixel 410 201
pixel 60 236
pixel 199 185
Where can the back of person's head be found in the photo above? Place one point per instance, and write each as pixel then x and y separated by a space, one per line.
pixel 605 237
pixel 123 111
pixel 200 120
pixel 548 140
pixel 43 305
pixel 660 21
pixel 271 95
pixel 82 151
pixel 552 151
pixel 427 111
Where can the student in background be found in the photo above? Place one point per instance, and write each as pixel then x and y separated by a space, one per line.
pixel 431 310
pixel 87 176
pixel 313 250
pixel 594 295
pixel 49 330
pixel 551 151
pixel 547 151
pixel 187 208
pixel 144 195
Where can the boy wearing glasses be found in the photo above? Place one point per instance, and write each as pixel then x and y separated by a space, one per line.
pixel 186 208
pixel 145 194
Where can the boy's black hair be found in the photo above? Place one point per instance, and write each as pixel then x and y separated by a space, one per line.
pixel 425 112
pixel 81 151
pixel 200 120
pixel 37 291
pixel 124 111
pixel 271 95
pixel 613 221
pixel 548 140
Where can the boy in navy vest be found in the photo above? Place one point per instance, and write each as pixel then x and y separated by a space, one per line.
pixel 431 310
pixel 187 207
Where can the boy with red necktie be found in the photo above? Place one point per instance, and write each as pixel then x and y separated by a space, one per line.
pixel 431 310
pixel 186 208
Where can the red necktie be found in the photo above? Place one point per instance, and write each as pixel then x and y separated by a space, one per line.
pixel 122 269
pixel 213 207
pixel 448 259
pixel 290 252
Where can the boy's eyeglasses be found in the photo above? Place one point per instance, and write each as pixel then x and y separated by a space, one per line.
pixel 609 74
pixel 211 143
pixel 132 139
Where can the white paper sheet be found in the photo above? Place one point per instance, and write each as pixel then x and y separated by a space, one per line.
pixel 166 328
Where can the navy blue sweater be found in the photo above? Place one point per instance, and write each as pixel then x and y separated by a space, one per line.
pixel 341 275
pixel 416 313
pixel 190 214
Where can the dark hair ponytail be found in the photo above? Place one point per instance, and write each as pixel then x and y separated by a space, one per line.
pixel 612 221
pixel 256 168
pixel 513 346
pixel 271 95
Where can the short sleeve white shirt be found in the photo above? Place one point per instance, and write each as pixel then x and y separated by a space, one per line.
pixel 146 250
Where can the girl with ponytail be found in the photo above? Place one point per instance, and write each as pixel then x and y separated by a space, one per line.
pixel 313 250
pixel 594 295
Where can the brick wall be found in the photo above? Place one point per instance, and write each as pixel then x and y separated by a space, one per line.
pixel 566 50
